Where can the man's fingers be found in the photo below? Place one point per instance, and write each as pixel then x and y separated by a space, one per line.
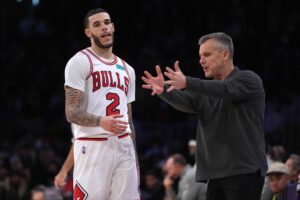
pixel 169 75
pixel 146 86
pixel 120 122
pixel 117 116
pixel 171 71
pixel 169 82
pixel 59 183
pixel 158 70
pixel 148 75
pixel 119 128
pixel 170 89
pixel 154 93
pixel 146 80
pixel 176 66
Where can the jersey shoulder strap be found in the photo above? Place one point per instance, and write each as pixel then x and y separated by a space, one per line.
pixel 126 68
pixel 91 63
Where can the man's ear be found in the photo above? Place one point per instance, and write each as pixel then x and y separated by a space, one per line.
pixel 226 54
pixel 87 32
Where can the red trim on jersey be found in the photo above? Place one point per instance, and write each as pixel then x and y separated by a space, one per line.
pixel 91 64
pixel 98 58
pixel 124 135
pixel 126 69
pixel 101 139
pixel 92 139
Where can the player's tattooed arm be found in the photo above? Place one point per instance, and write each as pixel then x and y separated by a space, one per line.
pixel 74 109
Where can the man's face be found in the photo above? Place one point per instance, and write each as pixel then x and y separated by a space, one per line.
pixel 101 30
pixel 171 168
pixel 37 195
pixel 151 181
pixel 277 182
pixel 293 172
pixel 212 57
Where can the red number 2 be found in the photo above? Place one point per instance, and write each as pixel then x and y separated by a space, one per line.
pixel 111 109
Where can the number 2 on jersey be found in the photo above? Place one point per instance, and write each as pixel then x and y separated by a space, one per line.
pixel 111 109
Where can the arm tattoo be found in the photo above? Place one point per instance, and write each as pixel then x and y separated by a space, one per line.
pixel 74 109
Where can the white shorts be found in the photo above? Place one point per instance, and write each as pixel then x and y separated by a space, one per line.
pixel 105 169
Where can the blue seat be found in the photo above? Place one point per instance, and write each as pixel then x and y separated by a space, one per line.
pixel 290 192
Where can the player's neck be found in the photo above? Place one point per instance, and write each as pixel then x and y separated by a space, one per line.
pixel 103 52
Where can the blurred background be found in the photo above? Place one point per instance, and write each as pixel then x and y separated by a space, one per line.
pixel 39 36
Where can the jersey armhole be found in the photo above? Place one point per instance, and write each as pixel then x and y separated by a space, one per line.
pixel 126 69
pixel 91 64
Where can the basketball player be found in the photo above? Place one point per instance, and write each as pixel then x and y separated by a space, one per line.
pixel 99 89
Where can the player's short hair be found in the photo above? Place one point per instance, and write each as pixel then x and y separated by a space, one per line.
pixel 222 38
pixel 90 13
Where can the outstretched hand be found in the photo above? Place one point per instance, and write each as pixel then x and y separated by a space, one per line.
pixel 177 78
pixel 156 84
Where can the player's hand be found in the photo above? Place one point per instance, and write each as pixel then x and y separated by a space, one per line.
pixel 113 124
pixel 177 78
pixel 60 180
pixel 156 84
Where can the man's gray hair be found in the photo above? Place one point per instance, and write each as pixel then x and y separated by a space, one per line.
pixel 220 37
pixel 296 160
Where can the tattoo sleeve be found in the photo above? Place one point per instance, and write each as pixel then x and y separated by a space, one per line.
pixel 74 109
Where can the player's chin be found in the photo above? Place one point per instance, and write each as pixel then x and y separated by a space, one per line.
pixel 107 42
pixel 108 45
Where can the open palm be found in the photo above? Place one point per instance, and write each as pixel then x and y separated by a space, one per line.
pixel 156 84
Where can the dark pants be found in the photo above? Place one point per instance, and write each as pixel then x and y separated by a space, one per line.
pixel 238 187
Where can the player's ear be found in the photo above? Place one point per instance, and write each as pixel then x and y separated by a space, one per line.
pixel 113 27
pixel 87 32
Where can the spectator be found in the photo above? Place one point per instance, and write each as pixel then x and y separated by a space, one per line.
pixel 278 174
pixel 276 154
pixel 153 188
pixel 293 163
pixel 45 193
pixel 192 150
pixel 176 167
pixel 193 190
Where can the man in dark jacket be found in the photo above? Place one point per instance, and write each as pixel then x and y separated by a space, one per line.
pixel 230 108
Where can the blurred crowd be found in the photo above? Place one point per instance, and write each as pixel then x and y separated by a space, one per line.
pixel 37 41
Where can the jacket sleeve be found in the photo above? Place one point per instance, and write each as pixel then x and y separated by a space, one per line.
pixel 181 100
pixel 241 86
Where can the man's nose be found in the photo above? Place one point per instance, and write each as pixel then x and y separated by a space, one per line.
pixel 201 61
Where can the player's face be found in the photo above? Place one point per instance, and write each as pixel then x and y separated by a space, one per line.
pixel 212 58
pixel 101 30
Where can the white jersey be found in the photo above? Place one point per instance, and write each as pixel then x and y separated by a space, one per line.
pixel 107 86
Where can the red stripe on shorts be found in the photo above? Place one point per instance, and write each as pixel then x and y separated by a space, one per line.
pixel 101 139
